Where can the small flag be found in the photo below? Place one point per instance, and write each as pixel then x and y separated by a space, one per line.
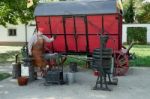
pixel 119 5
pixel 29 3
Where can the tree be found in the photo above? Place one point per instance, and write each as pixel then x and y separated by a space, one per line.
pixel 16 11
pixel 129 11
pixel 143 13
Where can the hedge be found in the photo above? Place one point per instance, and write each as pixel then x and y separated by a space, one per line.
pixel 137 34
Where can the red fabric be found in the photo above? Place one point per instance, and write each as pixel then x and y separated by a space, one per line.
pixel 112 25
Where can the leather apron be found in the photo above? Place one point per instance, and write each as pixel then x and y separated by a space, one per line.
pixel 37 52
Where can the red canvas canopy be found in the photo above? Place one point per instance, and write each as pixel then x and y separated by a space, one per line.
pixel 78 25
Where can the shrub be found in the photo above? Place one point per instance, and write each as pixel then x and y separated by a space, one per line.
pixel 136 34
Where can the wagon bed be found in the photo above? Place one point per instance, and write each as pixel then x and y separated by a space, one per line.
pixel 78 25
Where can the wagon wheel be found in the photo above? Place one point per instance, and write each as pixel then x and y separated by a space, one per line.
pixel 121 64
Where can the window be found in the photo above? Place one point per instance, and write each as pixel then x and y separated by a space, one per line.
pixel 12 32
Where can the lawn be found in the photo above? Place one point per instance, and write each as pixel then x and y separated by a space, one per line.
pixel 7 53
pixel 4 76
pixel 142 53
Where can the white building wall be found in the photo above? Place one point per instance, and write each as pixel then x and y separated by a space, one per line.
pixel 148 34
pixel 20 37
pixel 30 31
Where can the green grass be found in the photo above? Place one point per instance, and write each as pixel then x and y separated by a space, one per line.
pixel 8 56
pixel 4 76
pixel 7 53
pixel 142 53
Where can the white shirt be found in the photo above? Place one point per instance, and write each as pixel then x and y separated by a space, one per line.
pixel 34 38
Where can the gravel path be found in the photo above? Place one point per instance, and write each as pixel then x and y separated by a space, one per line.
pixel 135 85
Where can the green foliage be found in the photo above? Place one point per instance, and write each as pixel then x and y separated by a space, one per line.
pixel 80 60
pixel 16 11
pixel 136 34
pixel 142 54
pixel 136 11
pixel 4 75
pixel 143 14
pixel 129 11
pixel 8 56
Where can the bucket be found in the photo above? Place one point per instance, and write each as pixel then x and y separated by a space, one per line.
pixel 71 77
pixel 16 71
pixel 22 81
pixel 65 77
